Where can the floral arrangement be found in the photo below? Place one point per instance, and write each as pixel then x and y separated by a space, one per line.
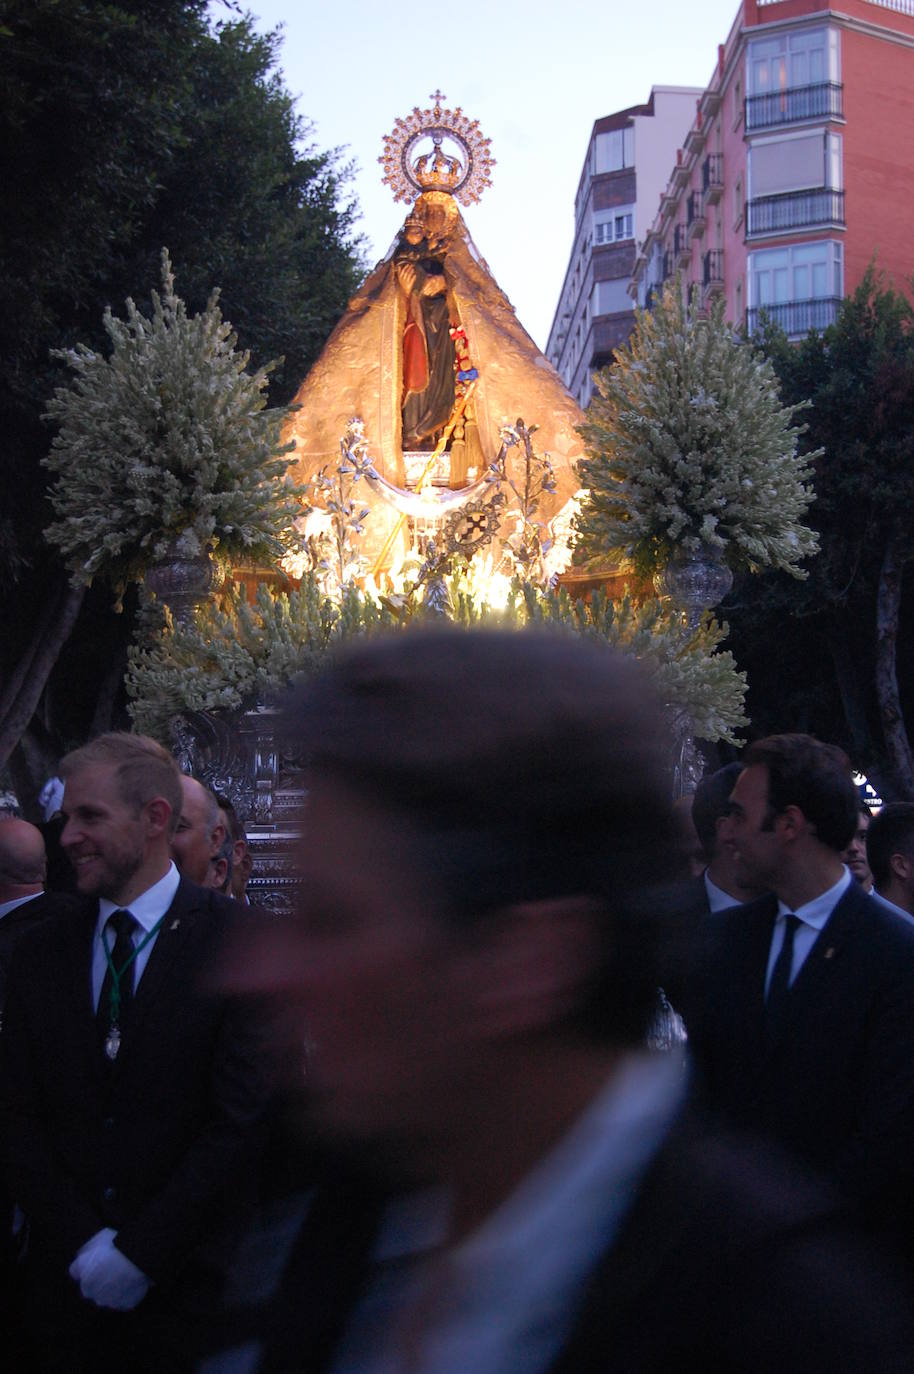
pixel 690 451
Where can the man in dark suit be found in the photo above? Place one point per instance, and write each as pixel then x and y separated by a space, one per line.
pixel 804 1024
pixel 133 1094
pixel 722 886
pixel 23 865
pixel 476 957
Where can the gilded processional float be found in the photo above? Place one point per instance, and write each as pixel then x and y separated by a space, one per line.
pixel 430 390
pixel 434 367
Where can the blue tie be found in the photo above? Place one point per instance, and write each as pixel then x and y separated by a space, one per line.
pixel 779 987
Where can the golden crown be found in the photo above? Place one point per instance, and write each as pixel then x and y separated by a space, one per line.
pixel 462 167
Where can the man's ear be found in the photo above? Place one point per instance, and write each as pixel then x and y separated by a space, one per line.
pixel 158 814
pixel 901 867
pixel 527 968
pixel 791 823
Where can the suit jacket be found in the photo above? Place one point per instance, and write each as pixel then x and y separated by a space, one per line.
pixel 836 1083
pixel 158 1144
pixel 17 923
pixel 728 1260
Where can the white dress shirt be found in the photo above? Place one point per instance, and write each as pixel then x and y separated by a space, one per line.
pixel 21 901
pixel 146 910
pixel 812 917
pixel 718 900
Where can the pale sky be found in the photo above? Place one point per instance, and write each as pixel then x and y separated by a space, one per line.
pixel 535 73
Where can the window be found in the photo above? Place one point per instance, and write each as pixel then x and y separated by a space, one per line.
pixel 611 297
pixel 790 60
pixel 738 202
pixel 737 101
pixel 614 226
pixel 804 272
pixel 614 150
pixel 795 164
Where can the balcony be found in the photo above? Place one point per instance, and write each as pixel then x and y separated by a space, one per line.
pixel 794 210
pixel 682 248
pixel 824 100
pixel 712 272
pixel 712 178
pixel 796 318
pixel 667 265
pixel 696 218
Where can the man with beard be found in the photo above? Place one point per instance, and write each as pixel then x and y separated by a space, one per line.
pixel 133 1094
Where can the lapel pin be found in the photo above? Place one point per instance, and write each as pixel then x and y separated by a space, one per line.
pixel 830 952
pixel 175 923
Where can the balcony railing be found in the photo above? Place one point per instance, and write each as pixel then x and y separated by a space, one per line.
pixel 712 177
pixel 796 318
pixel 824 100
pixel 695 213
pixel 712 265
pixel 681 247
pixel 794 210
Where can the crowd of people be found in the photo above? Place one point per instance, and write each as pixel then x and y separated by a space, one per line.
pixel 420 1126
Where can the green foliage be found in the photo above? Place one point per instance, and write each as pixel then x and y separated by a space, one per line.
pixel 859 378
pixel 810 648
pixel 248 201
pixel 236 653
pixel 690 448
pixel 167 441
pixel 125 126
pixel 698 683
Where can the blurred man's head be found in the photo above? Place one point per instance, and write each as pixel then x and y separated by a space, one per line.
pixel 200 832
pixel 22 859
pixel 486 816
pixel 890 850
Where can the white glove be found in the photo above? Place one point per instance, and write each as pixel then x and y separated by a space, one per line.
pixel 106 1276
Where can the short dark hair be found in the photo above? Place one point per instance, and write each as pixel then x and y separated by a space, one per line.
pixel 813 776
pixel 891 831
pixel 518 766
pixel 234 826
pixel 711 801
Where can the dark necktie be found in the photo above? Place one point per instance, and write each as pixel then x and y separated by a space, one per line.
pixel 779 987
pixel 122 924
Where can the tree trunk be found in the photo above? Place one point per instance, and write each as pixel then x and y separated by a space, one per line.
pixel 848 683
pixel 888 607
pixel 103 715
pixel 13 685
pixel 29 680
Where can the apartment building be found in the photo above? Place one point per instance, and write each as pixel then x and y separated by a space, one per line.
pixel 628 160
pixel 798 167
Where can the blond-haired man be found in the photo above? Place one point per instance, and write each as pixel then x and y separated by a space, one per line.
pixel 133 1093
